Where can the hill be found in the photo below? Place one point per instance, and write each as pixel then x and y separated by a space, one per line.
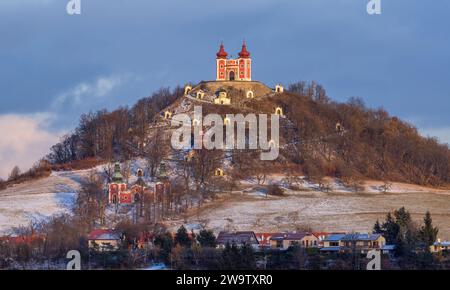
pixel 320 137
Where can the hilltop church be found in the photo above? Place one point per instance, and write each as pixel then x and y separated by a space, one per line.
pixel 233 83
pixel 239 69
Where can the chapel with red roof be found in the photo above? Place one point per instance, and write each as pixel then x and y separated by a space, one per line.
pixel 234 69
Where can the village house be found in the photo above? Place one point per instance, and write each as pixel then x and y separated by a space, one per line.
pixel 238 238
pixel 286 240
pixel 332 243
pixel 440 246
pixel 361 243
pixel 104 240
pixel 323 235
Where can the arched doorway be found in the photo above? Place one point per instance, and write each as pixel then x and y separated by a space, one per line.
pixel 279 111
pixel 232 77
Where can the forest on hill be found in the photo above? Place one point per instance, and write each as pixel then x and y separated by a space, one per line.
pixel 344 140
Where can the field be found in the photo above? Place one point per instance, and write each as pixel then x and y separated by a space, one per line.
pixel 320 211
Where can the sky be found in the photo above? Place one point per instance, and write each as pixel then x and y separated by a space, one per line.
pixel 55 66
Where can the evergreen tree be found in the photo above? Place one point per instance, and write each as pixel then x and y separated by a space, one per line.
pixel 182 238
pixel 165 243
pixel 407 234
pixel 390 229
pixel 428 233
pixel 377 228
pixel 206 238
pixel 402 218
pixel 231 258
pixel 247 258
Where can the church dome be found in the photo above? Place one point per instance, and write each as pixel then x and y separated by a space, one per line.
pixel 244 52
pixel 222 53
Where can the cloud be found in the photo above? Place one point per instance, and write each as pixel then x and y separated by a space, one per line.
pixel 25 139
pixel 85 91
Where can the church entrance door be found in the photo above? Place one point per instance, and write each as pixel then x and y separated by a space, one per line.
pixel 232 77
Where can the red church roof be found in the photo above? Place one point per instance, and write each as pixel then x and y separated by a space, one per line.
pixel 222 53
pixel 244 53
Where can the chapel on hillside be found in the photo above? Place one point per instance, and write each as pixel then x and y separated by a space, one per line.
pixel 239 69
pixel 119 191
pixel 233 83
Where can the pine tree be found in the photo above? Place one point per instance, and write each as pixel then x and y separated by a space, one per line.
pixel 206 238
pixel 231 257
pixel 247 258
pixel 182 238
pixel 165 244
pixel 402 218
pixel 377 228
pixel 428 233
pixel 407 234
pixel 390 229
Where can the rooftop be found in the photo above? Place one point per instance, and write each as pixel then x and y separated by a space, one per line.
pixel 237 238
pixel 289 236
pixel 442 243
pixel 361 237
pixel 334 238
pixel 104 234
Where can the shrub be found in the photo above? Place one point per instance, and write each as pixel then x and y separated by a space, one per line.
pixel 274 189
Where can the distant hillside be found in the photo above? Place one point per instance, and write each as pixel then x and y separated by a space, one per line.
pixel 320 137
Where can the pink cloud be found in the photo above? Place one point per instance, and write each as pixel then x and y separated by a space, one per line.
pixel 25 139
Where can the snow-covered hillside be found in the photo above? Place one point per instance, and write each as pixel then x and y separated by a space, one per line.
pixel 38 199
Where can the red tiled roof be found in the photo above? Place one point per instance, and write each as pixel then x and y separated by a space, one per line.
pixel 264 238
pixel 103 234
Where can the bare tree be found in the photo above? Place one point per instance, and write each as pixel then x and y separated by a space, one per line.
pixel 91 202
pixel 15 173
pixel 155 151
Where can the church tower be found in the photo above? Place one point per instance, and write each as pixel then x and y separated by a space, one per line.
pixel 239 69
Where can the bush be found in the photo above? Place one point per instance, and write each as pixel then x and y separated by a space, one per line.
pixel 275 190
